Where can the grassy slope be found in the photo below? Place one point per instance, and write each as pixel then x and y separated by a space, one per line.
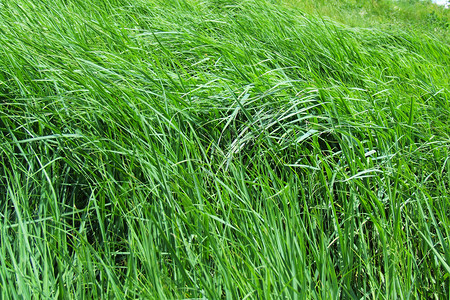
pixel 225 149
pixel 409 15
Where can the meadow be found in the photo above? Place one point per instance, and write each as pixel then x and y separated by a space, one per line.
pixel 224 149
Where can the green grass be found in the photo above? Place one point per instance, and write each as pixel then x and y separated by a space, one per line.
pixel 222 150
pixel 412 15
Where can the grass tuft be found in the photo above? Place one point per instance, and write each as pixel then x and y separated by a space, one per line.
pixel 224 150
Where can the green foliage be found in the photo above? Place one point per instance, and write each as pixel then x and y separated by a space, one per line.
pixel 223 150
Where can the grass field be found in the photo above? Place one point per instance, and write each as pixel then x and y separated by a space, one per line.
pixel 224 149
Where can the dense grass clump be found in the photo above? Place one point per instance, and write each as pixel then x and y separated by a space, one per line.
pixel 220 150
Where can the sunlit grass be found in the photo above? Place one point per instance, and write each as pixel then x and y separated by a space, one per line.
pixel 219 149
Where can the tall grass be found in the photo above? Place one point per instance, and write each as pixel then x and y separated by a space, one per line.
pixel 220 150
